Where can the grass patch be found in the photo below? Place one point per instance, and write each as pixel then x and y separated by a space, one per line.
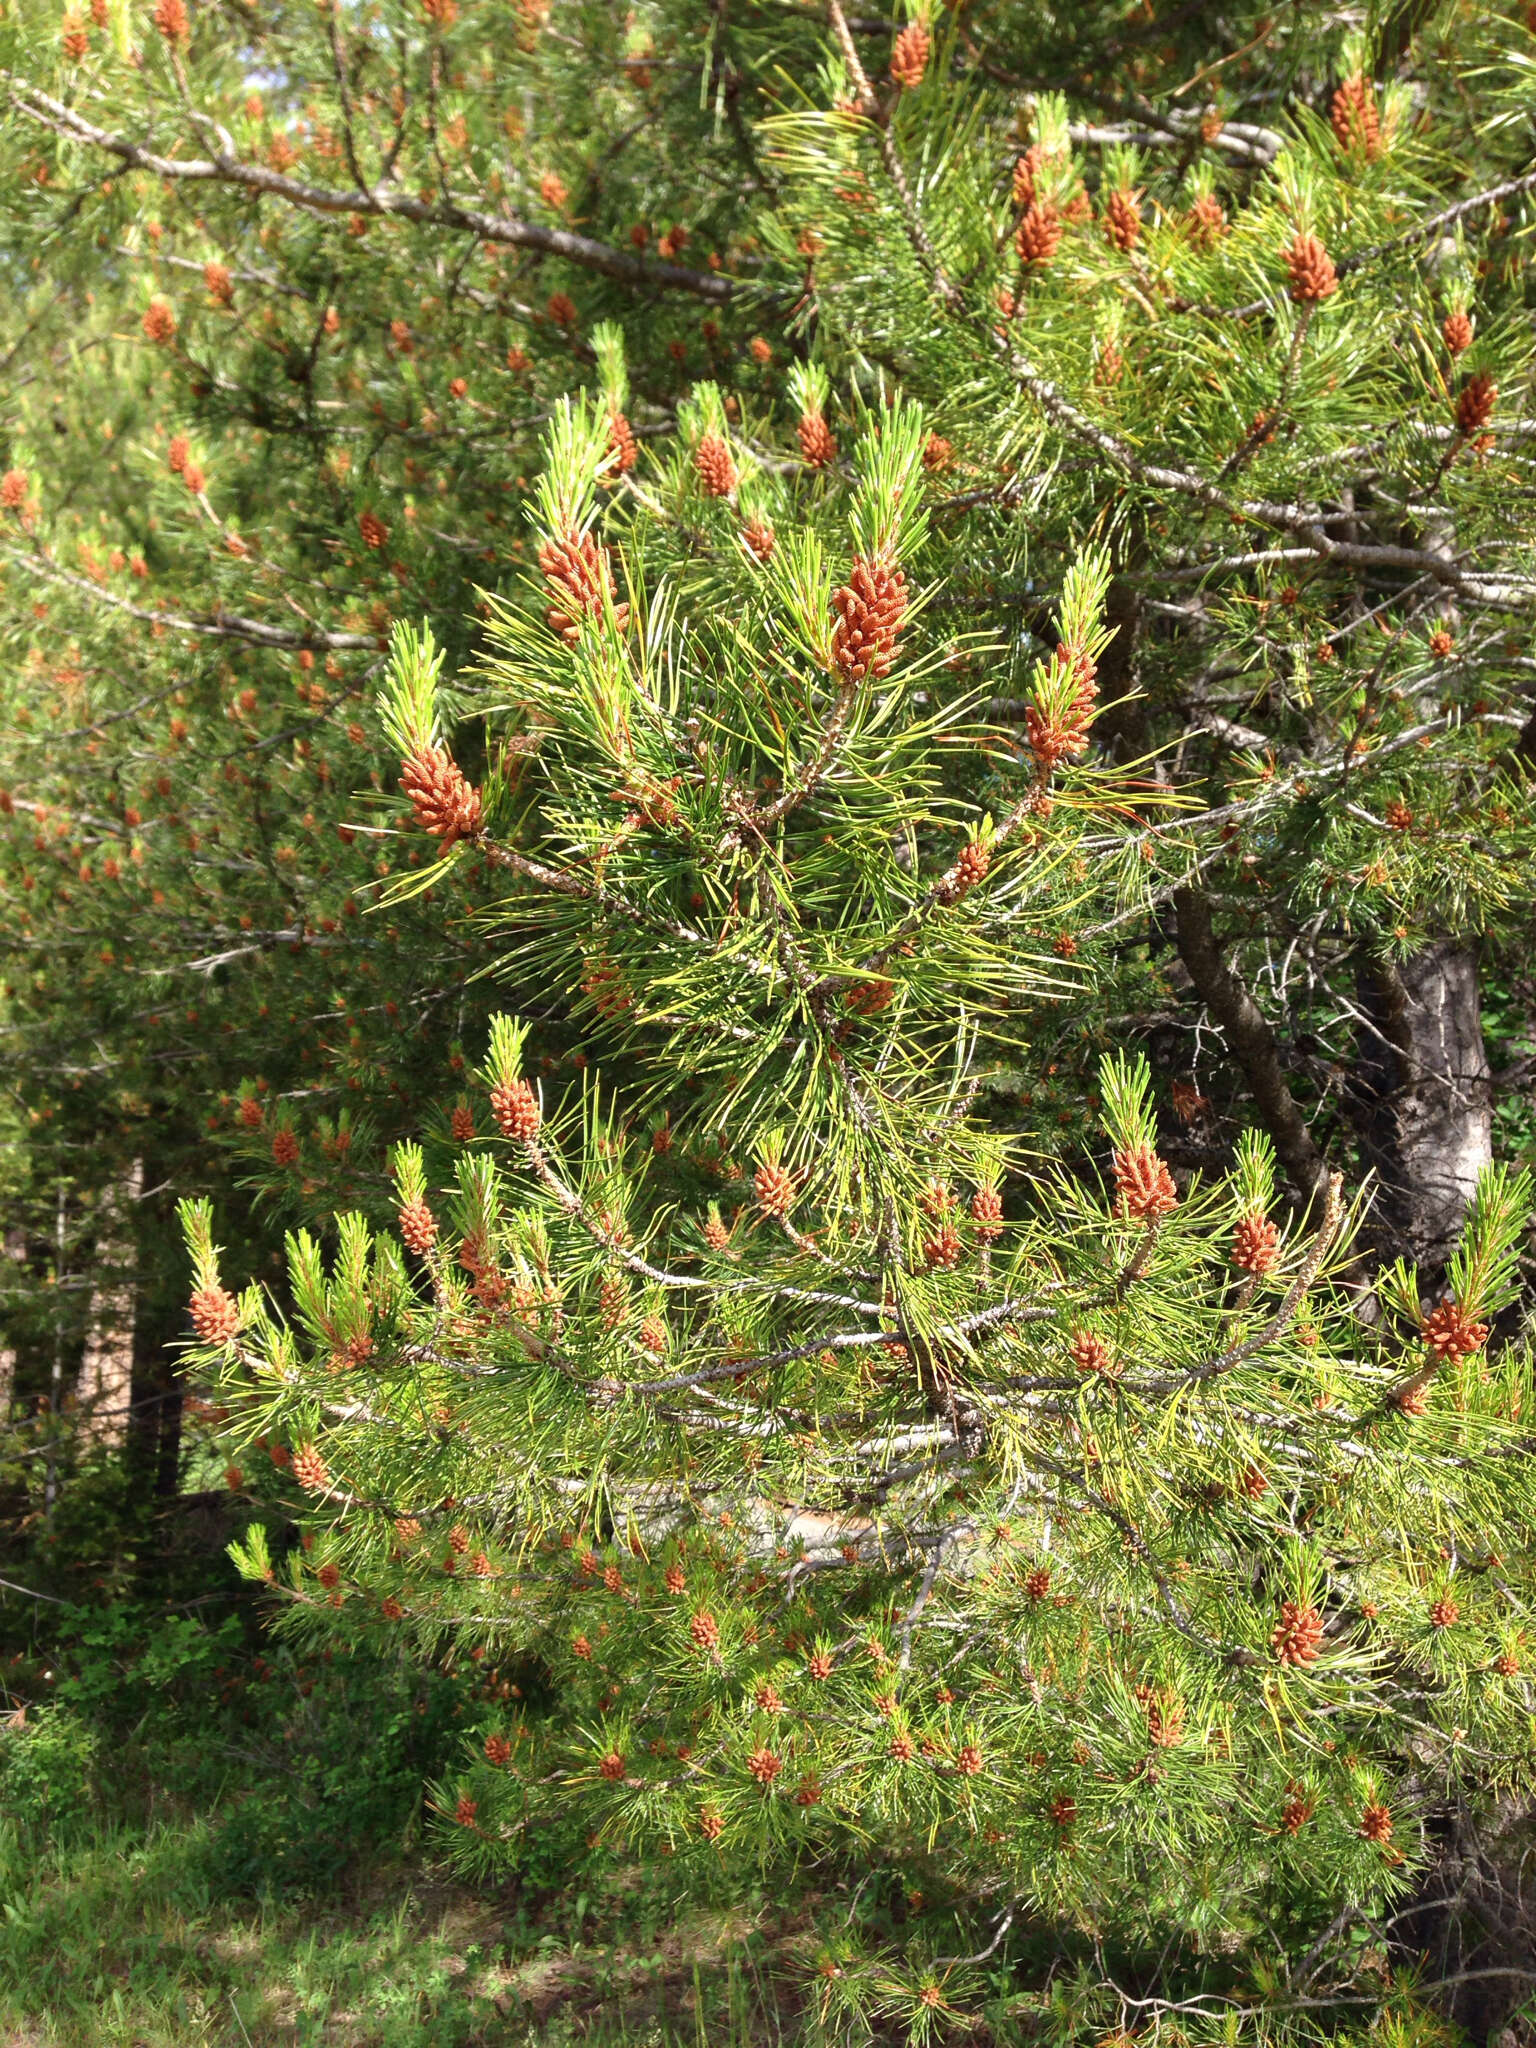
pixel 121 1937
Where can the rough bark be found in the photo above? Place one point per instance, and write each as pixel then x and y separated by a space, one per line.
pixel 1121 727
pixel 15 1250
pixel 1424 1097
pixel 1251 1041
pixel 104 1391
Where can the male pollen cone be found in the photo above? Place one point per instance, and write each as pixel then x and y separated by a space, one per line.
pixel 445 803
pixel 870 608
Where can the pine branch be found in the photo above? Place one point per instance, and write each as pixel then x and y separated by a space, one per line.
pixel 221 626
pixel 1251 1039
pixel 375 202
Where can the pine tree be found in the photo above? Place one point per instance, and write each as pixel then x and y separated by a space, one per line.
pixel 1265 364
pixel 856 1478
pixel 1028 554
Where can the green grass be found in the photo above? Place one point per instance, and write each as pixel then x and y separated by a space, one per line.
pixel 201 1846
pixel 118 1939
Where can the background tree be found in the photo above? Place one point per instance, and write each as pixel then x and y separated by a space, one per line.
pixel 257 402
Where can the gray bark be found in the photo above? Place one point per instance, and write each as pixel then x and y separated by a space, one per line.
pixel 1424 1096
pixel 105 1388
pixel 14 1249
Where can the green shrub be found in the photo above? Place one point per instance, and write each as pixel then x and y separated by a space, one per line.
pixel 48 1765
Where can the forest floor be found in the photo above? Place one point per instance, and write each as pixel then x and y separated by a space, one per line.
pixel 211 1840
pixel 118 1940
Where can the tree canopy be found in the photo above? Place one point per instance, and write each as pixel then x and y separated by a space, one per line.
pixel 785 759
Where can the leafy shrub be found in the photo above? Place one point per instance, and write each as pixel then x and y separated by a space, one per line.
pixel 49 1759
pixel 329 1775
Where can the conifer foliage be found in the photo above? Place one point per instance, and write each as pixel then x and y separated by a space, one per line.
pixel 808 733
pixel 854 1478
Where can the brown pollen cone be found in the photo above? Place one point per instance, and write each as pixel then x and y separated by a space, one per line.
pixel 1313 277
pixel 1451 1333
pixel 1255 1245
pixel 159 322
pixel 215 1315
pixel 1025 171
pixel 1064 735
pixel 444 801
pixel 714 467
pixel 759 538
pixel 578 570
pixel 1376 1823
pixel 1356 123
pixel 418 1226
pixel 1122 220
pixel 1206 220
pixel 309 1469
pixel 870 607
pixel 1297 1635
pixel 1144 1185
pixel 516 1110
pixel 1039 233
pixel 171 20
pixel 1474 405
pixel 622 443
pixel 944 1249
pixel 1295 1813
pixel 775 1190
pixel 970 868
pixel 816 441
pixel 1090 1353
pixel 868 998
pixel 909 56
pixel 1165 1719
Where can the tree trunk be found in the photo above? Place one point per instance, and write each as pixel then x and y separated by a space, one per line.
pixel 15 1250
pixel 154 1433
pixel 104 1391
pixel 1121 727
pixel 1469 1923
pixel 1424 1097
pixel 1251 1042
